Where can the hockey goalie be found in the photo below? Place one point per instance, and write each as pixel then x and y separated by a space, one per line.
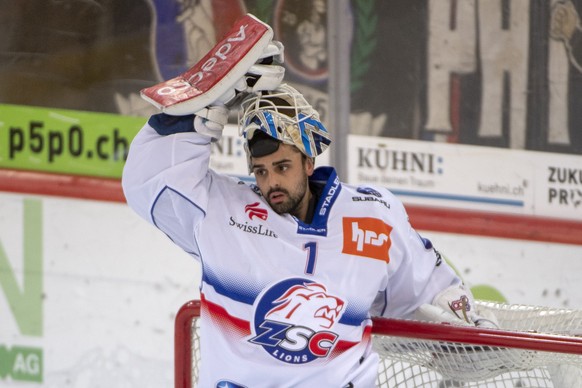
pixel 295 263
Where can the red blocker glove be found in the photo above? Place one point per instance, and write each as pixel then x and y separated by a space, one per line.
pixel 242 62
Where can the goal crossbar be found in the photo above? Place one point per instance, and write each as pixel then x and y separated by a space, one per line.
pixel 535 347
pixel 477 336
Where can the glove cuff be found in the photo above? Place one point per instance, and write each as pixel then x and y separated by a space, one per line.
pixel 165 124
pixel 210 121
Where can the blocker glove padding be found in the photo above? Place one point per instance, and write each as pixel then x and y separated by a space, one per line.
pixel 263 75
pixel 244 61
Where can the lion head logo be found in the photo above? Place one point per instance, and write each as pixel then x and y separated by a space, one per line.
pixel 308 303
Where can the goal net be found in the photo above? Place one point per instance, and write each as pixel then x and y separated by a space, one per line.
pixel 534 347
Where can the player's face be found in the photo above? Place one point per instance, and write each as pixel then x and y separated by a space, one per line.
pixel 282 178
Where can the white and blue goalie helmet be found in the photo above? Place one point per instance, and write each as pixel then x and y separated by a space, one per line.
pixel 284 115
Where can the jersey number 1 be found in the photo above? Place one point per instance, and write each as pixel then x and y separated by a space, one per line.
pixel 311 248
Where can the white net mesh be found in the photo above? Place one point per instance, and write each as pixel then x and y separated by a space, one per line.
pixel 415 362
pixel 410 362
pixel 424 363
pixel 195 346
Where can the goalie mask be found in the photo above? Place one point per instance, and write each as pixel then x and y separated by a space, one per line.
pixel 281 116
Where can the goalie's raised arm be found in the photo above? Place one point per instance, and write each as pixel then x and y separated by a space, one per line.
pixel 195 107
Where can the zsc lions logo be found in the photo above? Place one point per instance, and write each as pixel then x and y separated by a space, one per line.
pixel 294 321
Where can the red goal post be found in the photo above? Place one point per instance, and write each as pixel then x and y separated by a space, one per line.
pixel 535 347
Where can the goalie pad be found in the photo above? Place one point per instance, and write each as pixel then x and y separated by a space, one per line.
pixel 455 305
pixel 221 73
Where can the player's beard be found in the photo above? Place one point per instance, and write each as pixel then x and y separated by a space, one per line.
pixel 294 198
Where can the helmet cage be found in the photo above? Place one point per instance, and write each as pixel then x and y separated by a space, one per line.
pixel 285 115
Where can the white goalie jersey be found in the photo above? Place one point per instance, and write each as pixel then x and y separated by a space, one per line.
pixel 284 303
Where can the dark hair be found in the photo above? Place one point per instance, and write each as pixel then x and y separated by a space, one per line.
pixel 262 144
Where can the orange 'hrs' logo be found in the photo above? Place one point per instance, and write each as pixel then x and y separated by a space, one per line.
pixel 368 237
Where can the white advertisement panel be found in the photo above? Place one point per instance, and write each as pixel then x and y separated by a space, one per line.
pixel 470 177
pixel 88 295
